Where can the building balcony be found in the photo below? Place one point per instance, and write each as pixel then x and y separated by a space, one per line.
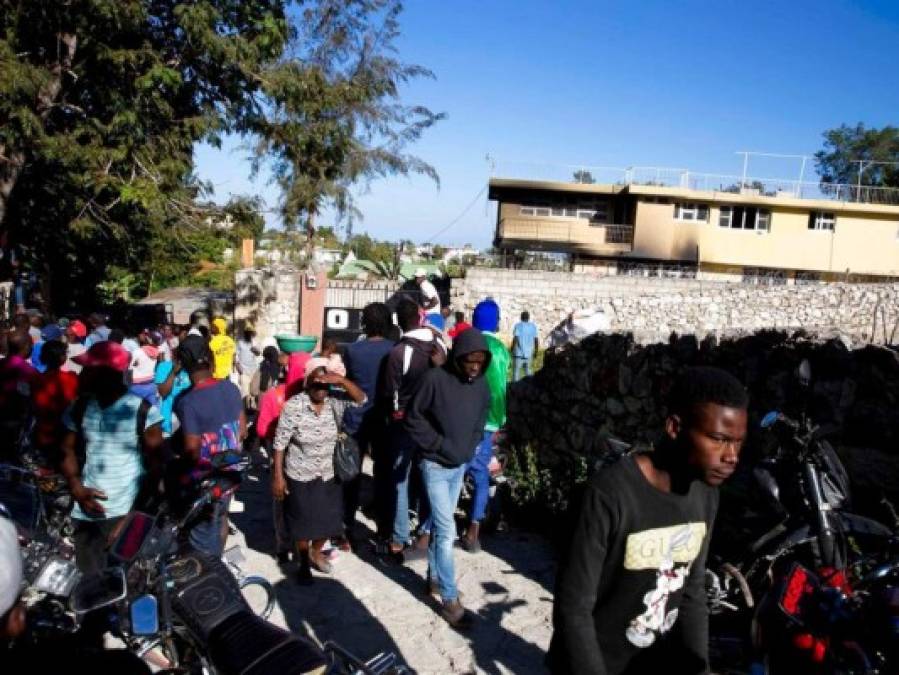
pixel 573 235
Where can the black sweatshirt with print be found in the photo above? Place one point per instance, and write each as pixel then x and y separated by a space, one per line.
pixel 632 583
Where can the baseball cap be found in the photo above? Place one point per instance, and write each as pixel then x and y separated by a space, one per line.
pixel 421 272
pixel 193 352
pixel 78 329
pixel 106 354
pixel 143 367
pixel 51 332
pixel 10 566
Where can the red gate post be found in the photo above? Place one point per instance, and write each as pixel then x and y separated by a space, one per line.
pixel 313 291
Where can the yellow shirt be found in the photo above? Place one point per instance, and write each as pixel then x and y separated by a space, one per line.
pixel 223 349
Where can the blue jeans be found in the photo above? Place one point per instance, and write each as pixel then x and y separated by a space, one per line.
pixel 479 470
pixel 208 534
pixel 443 485
pixel 401 456
pixel 520 363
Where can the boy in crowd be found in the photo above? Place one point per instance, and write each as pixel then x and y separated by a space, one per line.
pixel 630 595
pixel 486 319
pixel 410 358
pixel 524 346
pixel 223 349
pixel 445 420
pixel 121 433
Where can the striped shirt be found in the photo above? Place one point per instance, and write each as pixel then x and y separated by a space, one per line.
pixel 113 460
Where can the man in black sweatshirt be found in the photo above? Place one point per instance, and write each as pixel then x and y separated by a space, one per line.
pixel 630 594
pixel 419 350
pixel 446 420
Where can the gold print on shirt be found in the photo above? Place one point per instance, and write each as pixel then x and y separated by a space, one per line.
pixel 671 552
pixel 648 549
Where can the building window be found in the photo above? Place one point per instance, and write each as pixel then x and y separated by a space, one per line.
pixel 745 218
pixel 821 220
pixel 596 211
pixel 725 216
pixel 691 211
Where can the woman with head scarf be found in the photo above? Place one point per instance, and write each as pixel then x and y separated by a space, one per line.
pixel 303 462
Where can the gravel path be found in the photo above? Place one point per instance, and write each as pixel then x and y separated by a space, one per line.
pixel 369 607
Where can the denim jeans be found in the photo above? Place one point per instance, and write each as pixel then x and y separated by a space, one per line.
pixel 401 455
pixel 207 535
pixel 479 470
pixel 443 485
pixel 520 364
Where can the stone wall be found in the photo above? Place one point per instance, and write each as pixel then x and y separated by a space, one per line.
pixel 653 308
pixel 608 385
pixel 269 298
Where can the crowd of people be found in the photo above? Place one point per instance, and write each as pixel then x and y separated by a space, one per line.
pixel 129 417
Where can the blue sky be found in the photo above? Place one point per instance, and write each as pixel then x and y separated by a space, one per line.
pixel 642 82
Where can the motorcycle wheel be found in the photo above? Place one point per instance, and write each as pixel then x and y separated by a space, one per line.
pixel 259 594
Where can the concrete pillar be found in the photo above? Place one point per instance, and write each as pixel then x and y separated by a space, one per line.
pixel 247 253
pixel 312 303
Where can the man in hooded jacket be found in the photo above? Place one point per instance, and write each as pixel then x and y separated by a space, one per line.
pixel 446 420
pixel 414 355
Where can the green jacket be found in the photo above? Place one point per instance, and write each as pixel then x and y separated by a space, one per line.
pixel 497 376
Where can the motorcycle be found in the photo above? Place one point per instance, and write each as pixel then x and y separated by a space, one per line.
pixel 836 566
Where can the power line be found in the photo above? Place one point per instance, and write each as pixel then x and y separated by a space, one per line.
pixel 455 220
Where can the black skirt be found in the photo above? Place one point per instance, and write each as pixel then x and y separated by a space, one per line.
pixel 313 509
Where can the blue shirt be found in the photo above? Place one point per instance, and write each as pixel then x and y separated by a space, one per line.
pixel 113 460
pixel 526 332
pixel 211 410
pixel 180 384
pixel 364 361
pixel 36 359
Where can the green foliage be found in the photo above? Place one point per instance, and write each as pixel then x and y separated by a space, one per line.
pixel 541 492
pixel 102 102
pixel 836 162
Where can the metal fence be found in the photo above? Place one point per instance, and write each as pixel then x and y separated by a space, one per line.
pixel 710 182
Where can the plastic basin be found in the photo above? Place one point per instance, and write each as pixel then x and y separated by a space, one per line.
pixel 296 343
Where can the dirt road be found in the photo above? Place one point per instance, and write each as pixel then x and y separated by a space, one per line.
pixel 370 607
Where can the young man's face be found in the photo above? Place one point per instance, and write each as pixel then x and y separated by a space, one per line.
pixel 712 439
pixel 473 364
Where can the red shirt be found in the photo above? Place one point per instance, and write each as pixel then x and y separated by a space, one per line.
pixel 51 394
pixel 460 327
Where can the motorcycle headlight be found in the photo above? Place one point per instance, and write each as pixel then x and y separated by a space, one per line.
pixel 58 576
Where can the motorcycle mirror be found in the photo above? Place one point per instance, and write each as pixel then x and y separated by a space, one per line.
pixel 769 419
pixel 144 615
pixel 99 590
pixel 804 372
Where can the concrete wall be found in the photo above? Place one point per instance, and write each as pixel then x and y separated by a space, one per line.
pixel 653 308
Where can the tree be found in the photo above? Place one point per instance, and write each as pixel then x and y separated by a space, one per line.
pixel 838 163
pixel 583 176
pixel 102 101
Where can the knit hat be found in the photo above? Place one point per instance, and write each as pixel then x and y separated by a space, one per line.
pixel 51 332
pixel 10 566
pixel 78 329
pixel 486 316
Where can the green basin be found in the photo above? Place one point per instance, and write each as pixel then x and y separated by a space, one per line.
pixel 296 343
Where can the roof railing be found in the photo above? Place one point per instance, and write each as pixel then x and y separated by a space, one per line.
pixel 708 182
